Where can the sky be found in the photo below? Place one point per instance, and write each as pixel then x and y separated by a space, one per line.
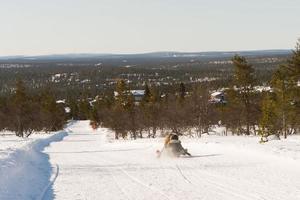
pixel 39 27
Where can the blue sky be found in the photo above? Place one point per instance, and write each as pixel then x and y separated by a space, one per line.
pixel 35 27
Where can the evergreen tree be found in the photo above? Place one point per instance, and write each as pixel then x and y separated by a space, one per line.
pixel 20 107
pixel 121 110
pixel 74 110
pixel 147 94
pixel 285 83
pixel 243 81
pixel 4 113
pixel 101 113
pixel 52 114
pixel 293 68
pixel 182 91
pixel 269 120
pixel 280 86
pixel 123 94
pixel 153 111
pixel 131 110
pixel 233 112
pixel 84 109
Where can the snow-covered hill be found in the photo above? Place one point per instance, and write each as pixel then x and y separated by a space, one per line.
pixel 86 164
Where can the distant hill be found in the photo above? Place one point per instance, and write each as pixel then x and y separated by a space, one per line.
pixel 155 55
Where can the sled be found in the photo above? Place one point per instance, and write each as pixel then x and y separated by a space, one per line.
pixel 159 152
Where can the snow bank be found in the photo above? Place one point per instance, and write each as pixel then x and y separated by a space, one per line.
pixel 26 172
pixel 9 142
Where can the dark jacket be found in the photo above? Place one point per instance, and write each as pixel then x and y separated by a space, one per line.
pixel 176 148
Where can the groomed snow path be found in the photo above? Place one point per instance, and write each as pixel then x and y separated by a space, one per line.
pixel 92 168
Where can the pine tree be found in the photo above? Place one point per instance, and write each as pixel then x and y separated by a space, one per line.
pixel 21 109
pixel 293 68
pixel 147 94
pixel 182 91
pixel 280 86
pixel 101 112
pixel 84 108
pixel 130 109
pixel 285 82
pixel 269 120
pixel 4 112
pixel 122 111
pixel 122 93
pixel 243 81
pixel 233 112
pixel 53 115
pixel 74 110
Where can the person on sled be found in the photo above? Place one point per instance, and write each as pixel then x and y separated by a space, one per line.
pixel 173 146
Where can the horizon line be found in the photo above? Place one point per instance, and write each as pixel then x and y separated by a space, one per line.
pixel 140 53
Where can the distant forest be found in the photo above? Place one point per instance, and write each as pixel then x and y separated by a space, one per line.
pixel 91 77
pixel 177 94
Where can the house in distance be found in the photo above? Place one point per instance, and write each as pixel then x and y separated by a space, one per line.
pixel 137 95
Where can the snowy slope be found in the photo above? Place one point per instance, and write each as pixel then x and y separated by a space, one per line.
pixel 91 166
pixel 25 171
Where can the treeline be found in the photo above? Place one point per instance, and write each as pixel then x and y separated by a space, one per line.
pixel 281 107
pixel 246 110
pixel 178 112
pixel 72 78
pixel 25 113
pixel 178 104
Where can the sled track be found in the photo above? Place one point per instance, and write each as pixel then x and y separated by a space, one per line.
pixel 183 175
pixel 214 184
pixel 118 185
pixel 46 189
pixel 259 188
pixel 143 184
pixel 212 180
pixel 204 196
pixel 138 181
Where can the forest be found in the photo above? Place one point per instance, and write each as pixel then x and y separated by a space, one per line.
pixel 43 96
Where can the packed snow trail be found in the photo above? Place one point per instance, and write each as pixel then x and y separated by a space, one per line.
pixel 91 167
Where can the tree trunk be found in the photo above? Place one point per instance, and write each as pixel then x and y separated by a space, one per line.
pixel 141 133
pixel 154 132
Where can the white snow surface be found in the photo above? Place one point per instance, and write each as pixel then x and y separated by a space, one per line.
pixel 81 163
pixel 25 171
pixel 9 142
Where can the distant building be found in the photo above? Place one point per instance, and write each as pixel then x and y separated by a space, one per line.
pixel 137 95
pixel 63 103
pixel 263 89
pixel 217 97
